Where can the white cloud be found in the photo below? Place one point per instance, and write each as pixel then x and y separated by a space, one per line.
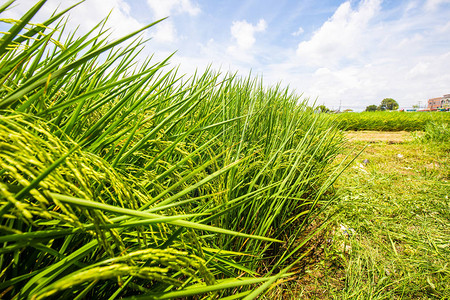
pixel 420 69
pixel 165 8
pixel 166 31
pixel 444 29
pixel 244 32
pixel 434 4
pixel 411 5
pixel 363 53
pixel 405 56
pixel 299 31
pixel 85 15
pixel 342 37
pixel 212 52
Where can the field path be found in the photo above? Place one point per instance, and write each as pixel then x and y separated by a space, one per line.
pixel 393 137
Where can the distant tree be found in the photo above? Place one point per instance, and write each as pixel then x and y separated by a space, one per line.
pixel 323 109
pixel 372 107
pixel 348 110
pixel 388 104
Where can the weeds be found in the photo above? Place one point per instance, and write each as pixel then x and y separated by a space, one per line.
pixel 437 132
pixel 390 239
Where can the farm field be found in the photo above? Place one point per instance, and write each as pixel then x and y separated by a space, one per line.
pixel 390 238
pixel 389 120
pixel 121 179
pixel 126 180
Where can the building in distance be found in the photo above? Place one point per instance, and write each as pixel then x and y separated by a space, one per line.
pixel 439 103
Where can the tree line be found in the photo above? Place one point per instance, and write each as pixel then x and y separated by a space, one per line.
pixel 386 104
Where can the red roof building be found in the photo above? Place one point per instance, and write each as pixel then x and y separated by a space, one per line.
pixel 439 102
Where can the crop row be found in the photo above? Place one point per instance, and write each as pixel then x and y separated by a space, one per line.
pixel 389 121
pixel 121 178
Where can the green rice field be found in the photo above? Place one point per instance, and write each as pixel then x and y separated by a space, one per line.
pixel 123 179
pixel 390 121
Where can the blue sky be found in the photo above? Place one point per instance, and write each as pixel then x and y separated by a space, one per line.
pixel 353 53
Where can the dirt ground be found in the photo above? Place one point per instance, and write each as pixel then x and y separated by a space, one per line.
pixel 392 137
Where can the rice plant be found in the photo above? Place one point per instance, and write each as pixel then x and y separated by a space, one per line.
pixel 390 121
pixel 124 179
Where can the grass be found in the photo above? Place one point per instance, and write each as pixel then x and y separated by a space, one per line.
pixel 391 237
pixel 437 132
pixel 390 121
pixel 121 179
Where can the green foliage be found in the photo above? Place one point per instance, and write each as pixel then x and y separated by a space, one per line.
pixel 323 109
pixel 389 121
pixel 388 104
pixel 390 238
pixel 122 179
pixel 437 132
pixel 372 107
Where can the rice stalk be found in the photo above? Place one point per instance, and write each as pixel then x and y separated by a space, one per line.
pixel 111 166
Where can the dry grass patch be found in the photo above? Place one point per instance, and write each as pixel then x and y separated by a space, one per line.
pixel 391 137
